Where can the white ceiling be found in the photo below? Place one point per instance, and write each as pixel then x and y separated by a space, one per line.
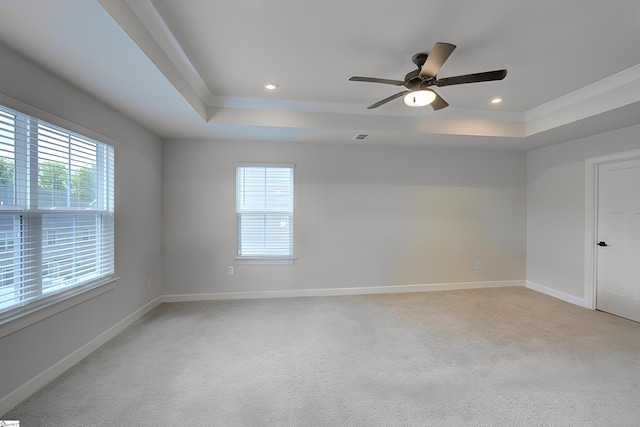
pixel 197 68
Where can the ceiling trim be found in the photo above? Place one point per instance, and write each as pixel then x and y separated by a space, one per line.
pixel 608 94
pixel 398 123
pixel 144 25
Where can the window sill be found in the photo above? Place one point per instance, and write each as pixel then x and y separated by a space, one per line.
pixel 265 260
pixel 22 319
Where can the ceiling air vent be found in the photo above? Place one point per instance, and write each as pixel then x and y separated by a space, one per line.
pixel 360 137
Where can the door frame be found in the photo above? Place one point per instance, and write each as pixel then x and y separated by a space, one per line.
pixel 592 178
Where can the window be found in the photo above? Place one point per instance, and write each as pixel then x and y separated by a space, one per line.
pixel 52 237
pixel 56 213
pixel 264 209
pixel 5 243
pixel 85 234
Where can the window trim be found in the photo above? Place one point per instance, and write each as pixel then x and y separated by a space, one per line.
pixel 14 320
pixel 37 313
pixel 264 259
pixel 25 108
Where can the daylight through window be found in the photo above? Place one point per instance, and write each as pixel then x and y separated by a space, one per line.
pixel 264 209
pixel 56 213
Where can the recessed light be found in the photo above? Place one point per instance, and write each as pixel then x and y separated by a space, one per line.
pixel 497 100
pixel 271 86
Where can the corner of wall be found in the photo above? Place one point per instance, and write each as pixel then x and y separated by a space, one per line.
pixel 557 294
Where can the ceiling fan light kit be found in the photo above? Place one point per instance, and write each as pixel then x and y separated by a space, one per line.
pixel 416 82
pixel 419 98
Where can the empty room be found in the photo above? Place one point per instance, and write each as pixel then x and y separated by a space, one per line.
pixel 295 213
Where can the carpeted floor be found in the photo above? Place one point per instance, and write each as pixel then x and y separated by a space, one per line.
pixel 504 356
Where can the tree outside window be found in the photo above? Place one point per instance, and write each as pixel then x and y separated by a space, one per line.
pixel 52 176
pixel 83 184
pixel 6 171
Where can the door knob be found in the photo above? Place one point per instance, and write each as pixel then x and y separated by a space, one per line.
pixel 602 244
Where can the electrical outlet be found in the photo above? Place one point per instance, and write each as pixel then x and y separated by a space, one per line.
pixel 476 265
pixel 230 271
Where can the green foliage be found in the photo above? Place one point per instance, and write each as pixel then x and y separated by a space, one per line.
pixel 83 184
pixel 6 171
pixel 52 176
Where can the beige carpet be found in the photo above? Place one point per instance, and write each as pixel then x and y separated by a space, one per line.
pixel 506 356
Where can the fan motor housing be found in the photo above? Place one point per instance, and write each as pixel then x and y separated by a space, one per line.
pixel 419 59
pixel 413 80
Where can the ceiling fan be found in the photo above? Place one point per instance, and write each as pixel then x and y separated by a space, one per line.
pixel 418 81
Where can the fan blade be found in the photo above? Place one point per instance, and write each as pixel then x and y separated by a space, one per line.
pixel 472 78
pixel 384 101
pixel 376 80
pixel 439 103
pixel 438 55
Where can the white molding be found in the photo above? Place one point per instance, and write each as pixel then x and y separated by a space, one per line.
pixel 614 157
pixel 22 320
pixel 344 108
pixel 145 27
pixel 364 290
pixel 41 114
pixel 604 95
pixel 155 24
pixel 20 394
pixel 265 260
pixel 592 165
pixel 557 294
pixel 590 232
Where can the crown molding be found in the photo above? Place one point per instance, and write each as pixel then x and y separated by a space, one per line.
pixel 144 25
pixel 608 94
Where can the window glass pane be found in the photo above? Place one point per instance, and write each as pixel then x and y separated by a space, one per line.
pixel 265 189
pixel 56 212
pixel 9 261
pixel 279 190
pixel 67 170
pixel 7 158
pixel 265 234
pixel 71 251
pixel 265 211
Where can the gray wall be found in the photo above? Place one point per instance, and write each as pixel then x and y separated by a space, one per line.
pixel 556 208
pixel 32 350
pixel 364 216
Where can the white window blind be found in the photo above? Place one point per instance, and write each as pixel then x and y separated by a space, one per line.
pixel 56 213
pixel 264 208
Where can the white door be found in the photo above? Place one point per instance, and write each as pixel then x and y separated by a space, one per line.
pixel 618 252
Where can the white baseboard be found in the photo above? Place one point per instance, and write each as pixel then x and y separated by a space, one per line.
pixel 19 395
pixel 340 291
pixel 557 294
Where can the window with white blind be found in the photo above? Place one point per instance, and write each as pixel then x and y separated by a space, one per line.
pixel 56 213
pixel 264 210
